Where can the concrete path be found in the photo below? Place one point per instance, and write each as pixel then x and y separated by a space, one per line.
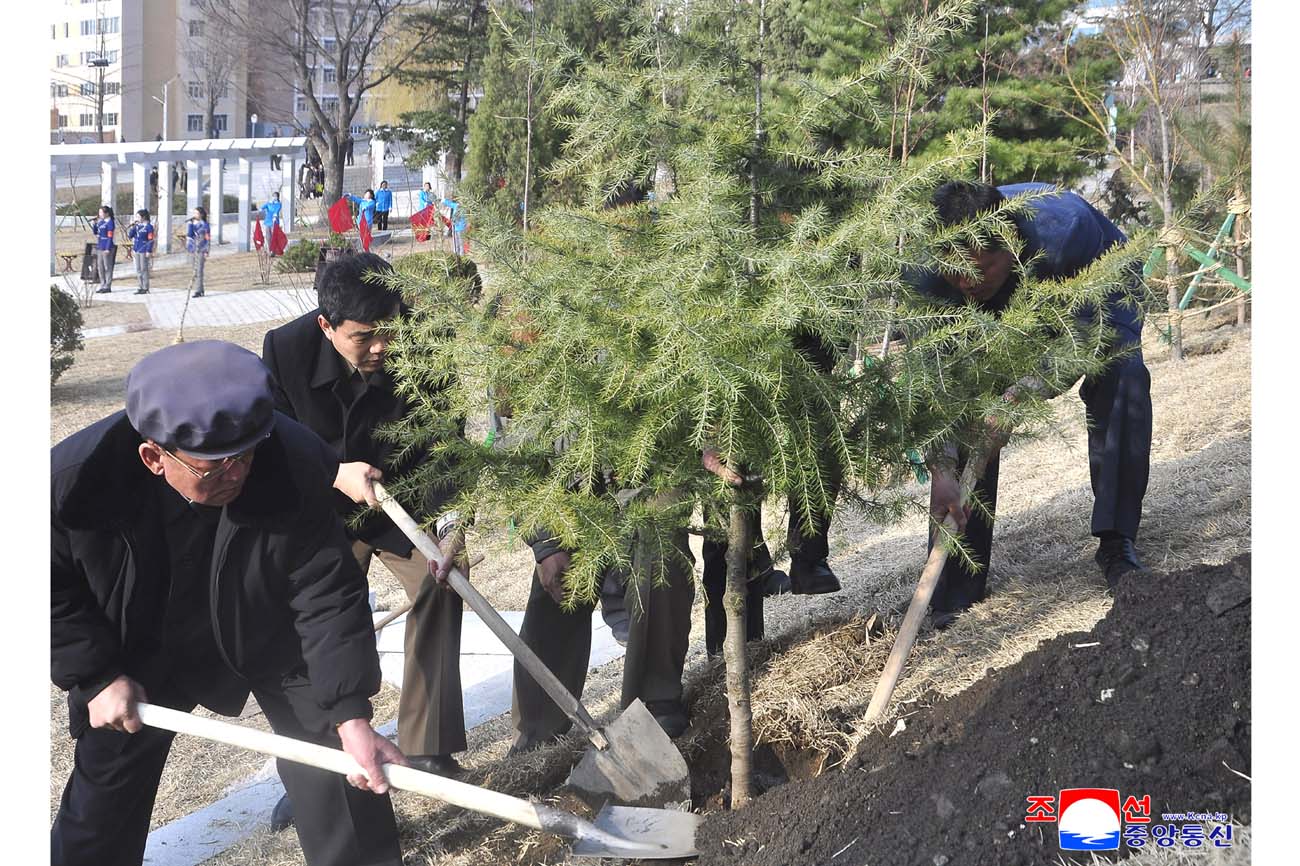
pixel 214 309
pixel 486 670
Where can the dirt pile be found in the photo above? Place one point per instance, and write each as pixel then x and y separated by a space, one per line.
pixel 1155 700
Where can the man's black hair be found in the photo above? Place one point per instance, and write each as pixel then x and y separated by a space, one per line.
pixel 343 291
pixel 959 201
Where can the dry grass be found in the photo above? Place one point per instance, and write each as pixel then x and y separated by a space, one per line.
pixel 814 675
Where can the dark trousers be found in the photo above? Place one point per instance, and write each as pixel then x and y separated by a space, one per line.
pixel 1118 406
pixel 103 818
pixel 658 637
pixel 381 220
pixel 715 586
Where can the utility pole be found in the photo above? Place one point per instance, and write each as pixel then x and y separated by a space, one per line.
pixel 100 62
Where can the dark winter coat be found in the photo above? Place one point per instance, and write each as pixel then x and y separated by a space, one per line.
pixel 1070 234
pixel 286 593
pixel 312 386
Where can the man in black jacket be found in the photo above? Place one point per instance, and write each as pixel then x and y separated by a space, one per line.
pixel 328 366
pixel 196 557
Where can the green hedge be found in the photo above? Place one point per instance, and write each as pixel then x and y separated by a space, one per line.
pixel 65 331
pixel 301 256
pixel 124 206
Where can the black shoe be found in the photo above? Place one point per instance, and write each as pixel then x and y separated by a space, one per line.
pixel 619 622
pixel 197 295
pixel 774 582
pixel 1117 557
pixel 102 291
pixel 523 748
pixel 941 619
pixel 282 815
pixel 812 578
pixel 670 715
pixel 142 291
pixel 439 765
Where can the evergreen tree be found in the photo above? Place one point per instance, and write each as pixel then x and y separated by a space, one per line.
pixel 629 338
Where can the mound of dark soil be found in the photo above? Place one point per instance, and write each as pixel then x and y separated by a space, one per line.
pixel 951 788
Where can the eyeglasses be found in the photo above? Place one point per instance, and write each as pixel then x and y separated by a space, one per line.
pixel 220 469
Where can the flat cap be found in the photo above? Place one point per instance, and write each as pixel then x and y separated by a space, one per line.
pixel 210 399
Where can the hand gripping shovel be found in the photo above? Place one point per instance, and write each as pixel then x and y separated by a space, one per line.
pixel 925 588
pixel 617 831
pixel 633 761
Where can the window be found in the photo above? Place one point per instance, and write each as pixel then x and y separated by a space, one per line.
pixel 109 25
pixel 112 88
pixel 328 76
pixel 67 29
pixel 329 103
pixel 88 27
pixel 87 120
pixel 87 88
pixel 194 89
pixel 110 119
pixel 63 120
pixel 61 60
pixel 196 28
pixel 300 104
pixel 193 123
pixel 112 56
pixel 328 43
pixel 57 89
pixel 219 122
pixel 54 31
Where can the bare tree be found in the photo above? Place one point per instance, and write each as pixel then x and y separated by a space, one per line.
pixel 298 40
pixel 212 52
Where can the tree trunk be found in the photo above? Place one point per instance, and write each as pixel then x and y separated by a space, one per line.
pixel 733 652
pixel 334 158
pixel 1241 262
pixel 1175 314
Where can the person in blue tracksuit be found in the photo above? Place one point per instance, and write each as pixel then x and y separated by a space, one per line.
pixel 198 239
pixel 271 216
pixel 141 235
pixel 1069 234
pixel 458 226
pixel 366 206
pixel 383 204
pixel 104 228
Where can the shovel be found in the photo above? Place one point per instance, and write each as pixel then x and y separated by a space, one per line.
pixel 617 831
pixel 633 762
pixel 925 588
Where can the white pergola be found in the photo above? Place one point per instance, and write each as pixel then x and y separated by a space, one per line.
pixel 140 157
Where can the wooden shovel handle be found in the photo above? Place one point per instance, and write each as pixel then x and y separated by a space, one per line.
pixel 925 588
pixel 545 678
pixel 450 791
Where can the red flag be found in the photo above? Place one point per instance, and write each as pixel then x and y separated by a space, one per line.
pixel 278 240
pixel 340 216
pixel 258 239
pixel 363 229
pixel 421 222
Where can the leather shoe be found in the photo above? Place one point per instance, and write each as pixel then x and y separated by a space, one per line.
pixel 941 619
pixel 1117 556
pixel 282 815
pixel 439 765
pixel 812 578
pixel 773 582
pixel 102 291
pixel 670 715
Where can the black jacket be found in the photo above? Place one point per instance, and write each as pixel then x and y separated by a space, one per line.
pixel 286 597
pixel 312 387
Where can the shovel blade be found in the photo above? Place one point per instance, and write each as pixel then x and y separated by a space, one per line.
pixel 646 834
pixel 641 767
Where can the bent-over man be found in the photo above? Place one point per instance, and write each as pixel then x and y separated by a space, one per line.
pixel 196 557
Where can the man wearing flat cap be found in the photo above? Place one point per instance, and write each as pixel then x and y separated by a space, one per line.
pixel 197 558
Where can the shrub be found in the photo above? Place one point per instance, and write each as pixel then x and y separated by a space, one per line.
pixel 301 256
pixel 65 331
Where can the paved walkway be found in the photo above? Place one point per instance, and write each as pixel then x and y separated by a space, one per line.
pixel 486 670
pixel 214 309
